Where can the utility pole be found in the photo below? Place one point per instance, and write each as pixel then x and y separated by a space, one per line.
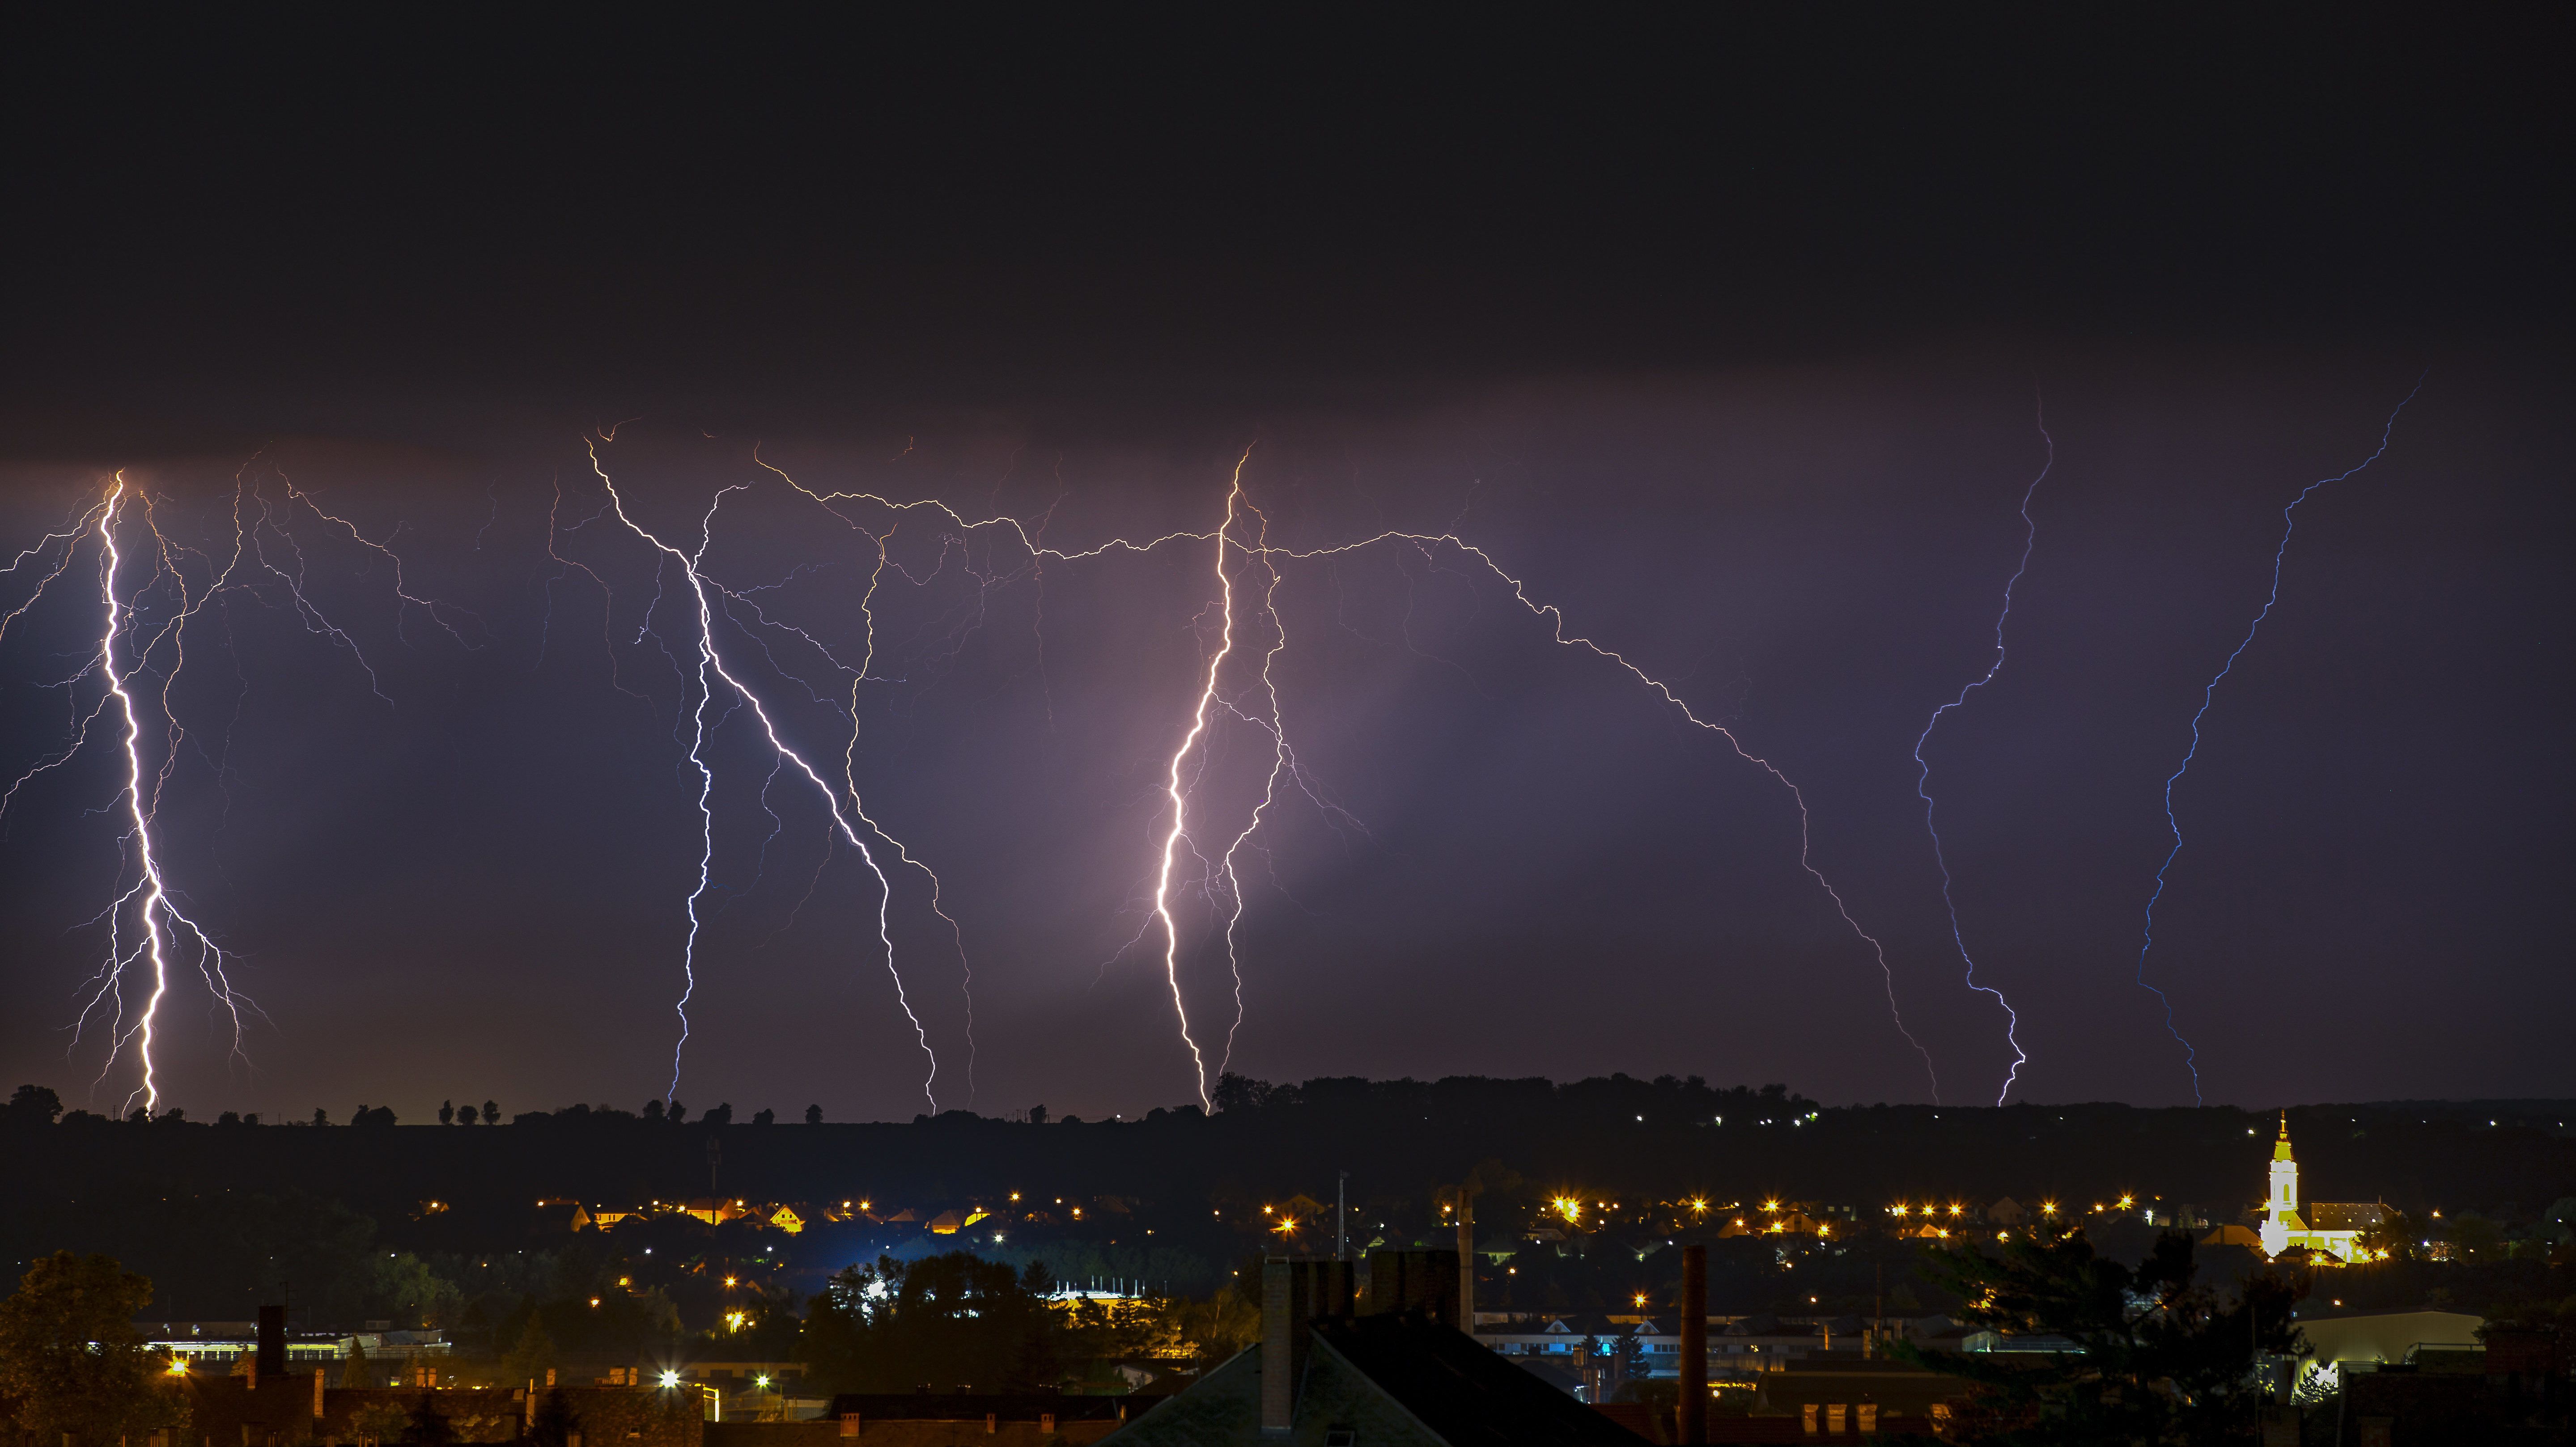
pixel 1342 1218
pixel 1467 1256
pixel 1693 1415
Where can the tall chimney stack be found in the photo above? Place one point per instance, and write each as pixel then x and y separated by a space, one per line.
pixel 1467 1260
pixel 1694 1353
pixel 1294 1292
pixel 272 1341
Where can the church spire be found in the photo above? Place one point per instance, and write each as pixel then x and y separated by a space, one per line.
pixel 2281 1147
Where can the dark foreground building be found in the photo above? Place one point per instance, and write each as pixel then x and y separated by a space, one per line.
pixel 1396 1372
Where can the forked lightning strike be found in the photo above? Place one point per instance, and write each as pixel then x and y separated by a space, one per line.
pixel 1923 770
pixel 710 660
pixel 2208 693
pixel 163 934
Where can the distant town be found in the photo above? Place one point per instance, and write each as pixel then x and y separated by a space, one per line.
pixel 388 1259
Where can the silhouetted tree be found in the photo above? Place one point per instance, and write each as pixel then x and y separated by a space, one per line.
pixel 71 1361
pixel 1037 1115
pixel 447 1112
pixel 952 1320
pixel 676 1112
pixel 321 1116
pixel 813 1115
pixel 764 1116
pixel 2158 1359
pixel 491 1113
pixel 653 1111
pixel 466 1114
pixel 354 1372
pixel 721 1115
pixel 527 1361
pixel 32 1105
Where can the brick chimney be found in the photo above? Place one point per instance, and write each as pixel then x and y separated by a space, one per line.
pixel 272 1341
pixel 1418 1281
pixel 1295 1292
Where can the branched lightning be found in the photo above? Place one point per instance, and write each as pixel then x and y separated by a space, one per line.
pixel 711 661
pixel 1210 697
pixel 1557 626
pixel 1179 800
pixel 1923 770
pixel 2209 692
pixel 149 929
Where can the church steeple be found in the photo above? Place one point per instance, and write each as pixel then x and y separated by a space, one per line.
pixel 2281 1208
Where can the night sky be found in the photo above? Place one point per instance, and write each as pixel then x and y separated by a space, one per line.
pixel 1731 335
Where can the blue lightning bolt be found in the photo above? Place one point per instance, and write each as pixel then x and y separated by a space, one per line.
pixel 1923 774
pixel 2289 523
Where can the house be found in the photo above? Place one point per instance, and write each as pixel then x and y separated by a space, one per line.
pixel 1394 1371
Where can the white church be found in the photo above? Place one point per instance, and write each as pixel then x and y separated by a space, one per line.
pixel 2328 1229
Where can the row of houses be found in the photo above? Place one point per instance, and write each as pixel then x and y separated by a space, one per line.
pixel 789 1217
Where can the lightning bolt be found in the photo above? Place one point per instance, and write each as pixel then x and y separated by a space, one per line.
pixel 2208 693
pixel 165 928
pixel 1555 618
pixel 711 662
pixel 1923 774
pixel 1180 803
pixel 149 931
pixel 1178 780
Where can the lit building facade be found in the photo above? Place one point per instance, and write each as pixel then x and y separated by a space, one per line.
pixel 2333 1228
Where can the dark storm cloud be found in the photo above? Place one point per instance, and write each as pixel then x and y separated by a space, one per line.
pixel 1724 333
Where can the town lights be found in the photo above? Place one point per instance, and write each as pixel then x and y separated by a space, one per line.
pixel 594 1302
pixel 728 1281
pixel 2125 1202
pixel 1640 1298
pixel 179 1365
pixel 761 1382
pixel 1699 1203
pixel 1896 1210
pixel 2048 1208
pixel 1770 1205
pixel 1568 1207
pixel 670 1379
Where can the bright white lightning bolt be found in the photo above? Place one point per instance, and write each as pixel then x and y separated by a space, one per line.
pixel 1180 805
pixel 711 660
pixel 1923 770
pixel 1283 758
pixel 123 658
pixel 165 926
